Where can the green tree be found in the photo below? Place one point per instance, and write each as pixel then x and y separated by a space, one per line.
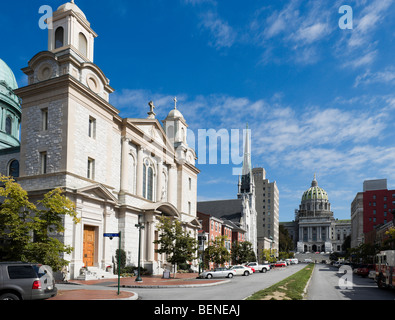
pixel 285 242
pixel 30 231
pixel 242 252
pixel 216 252
pixel 175 242
pixel 269 255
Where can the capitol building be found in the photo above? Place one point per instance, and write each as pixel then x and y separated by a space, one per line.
pixel 315 229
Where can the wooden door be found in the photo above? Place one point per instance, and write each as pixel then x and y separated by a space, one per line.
pixel 89 246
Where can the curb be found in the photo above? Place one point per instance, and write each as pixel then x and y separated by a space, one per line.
pixel 176 286
pixel 307 284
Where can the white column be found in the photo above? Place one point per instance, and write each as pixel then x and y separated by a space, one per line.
pixel 139 166
pixel 124 164
pixel 150 238
pixel 159 180
pixel 172 185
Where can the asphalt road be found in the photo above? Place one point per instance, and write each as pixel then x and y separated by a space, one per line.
pixel 327 283
pixel 237 288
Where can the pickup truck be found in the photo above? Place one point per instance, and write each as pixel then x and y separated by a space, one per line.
pixel 259 267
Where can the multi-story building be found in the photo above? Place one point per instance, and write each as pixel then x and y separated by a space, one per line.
pixel 118 171
pixel 267 208
pixel 372 208
pixel 357 236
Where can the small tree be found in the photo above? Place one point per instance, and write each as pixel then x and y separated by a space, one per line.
pixel 31 231
pixel 269 255
pixel 242 252
pixel 175 242
pixel 216 252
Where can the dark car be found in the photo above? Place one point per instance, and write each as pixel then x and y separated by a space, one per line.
pixel 26 281
pixel 364 270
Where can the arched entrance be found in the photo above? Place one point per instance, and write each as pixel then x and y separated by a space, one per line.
pixel 314 248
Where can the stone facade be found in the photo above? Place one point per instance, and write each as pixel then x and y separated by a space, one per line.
pixel 115 170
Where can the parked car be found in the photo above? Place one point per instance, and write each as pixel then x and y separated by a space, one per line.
pixel 259 267
pixel 218 273
pixel 241 270
pixel 365 269
pixel 280 264
pixel 308 261
pixel 251 268
pixel 372 274
pixel 26 281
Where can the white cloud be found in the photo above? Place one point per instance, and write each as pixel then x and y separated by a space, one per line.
pixel 222 34
pixel 386 76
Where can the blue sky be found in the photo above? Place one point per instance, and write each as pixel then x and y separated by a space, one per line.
pixel 317 98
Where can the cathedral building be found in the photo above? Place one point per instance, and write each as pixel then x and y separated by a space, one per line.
pixel 240 212
pixel 118 171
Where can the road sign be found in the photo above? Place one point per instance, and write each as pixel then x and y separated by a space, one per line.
pixel 111 235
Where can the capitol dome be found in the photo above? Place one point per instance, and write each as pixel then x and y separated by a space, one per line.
pixel 314 192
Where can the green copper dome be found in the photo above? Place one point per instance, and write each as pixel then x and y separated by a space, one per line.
pixel 7 76
pixel 315 192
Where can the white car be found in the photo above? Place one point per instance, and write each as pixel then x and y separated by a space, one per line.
pixel 218 273
pixel 241 270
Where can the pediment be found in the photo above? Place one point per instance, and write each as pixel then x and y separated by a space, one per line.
pixel 97 192
pixel 152 131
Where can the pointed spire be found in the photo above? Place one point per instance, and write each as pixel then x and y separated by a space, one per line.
pixel 247 153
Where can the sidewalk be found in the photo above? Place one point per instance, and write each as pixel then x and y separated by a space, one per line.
pixel 182 280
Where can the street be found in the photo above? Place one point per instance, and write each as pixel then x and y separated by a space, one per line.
pixel 327 283
pixel 237 288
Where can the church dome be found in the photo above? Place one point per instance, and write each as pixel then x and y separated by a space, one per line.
pixel 315 192
pixel 7 76
pixel 71 6
pixel 175 114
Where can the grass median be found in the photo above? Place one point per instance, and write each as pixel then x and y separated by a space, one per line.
pixel 291 288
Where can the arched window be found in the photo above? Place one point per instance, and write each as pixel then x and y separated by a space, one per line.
pixel 13 169
pixel 83 44
pixel 59 37
pixel 148 180
pixel 8 125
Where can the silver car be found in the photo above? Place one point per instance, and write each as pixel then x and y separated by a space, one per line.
pixel 218 273
pixel 26 281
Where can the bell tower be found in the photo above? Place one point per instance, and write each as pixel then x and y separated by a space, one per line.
pixel 71 30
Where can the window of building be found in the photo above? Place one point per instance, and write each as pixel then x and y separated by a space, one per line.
pixel 189 208
pixel 385 198
pixel 43 162
pixel 148 180
pixel 92 128
pixel 44 119
pixel 385 206
pixel 190 184
pixel 83 44
pixel 374 197
pixel 59 37
pixel 374 211
pixel 91 169
pixel 13 169
pixel 8 125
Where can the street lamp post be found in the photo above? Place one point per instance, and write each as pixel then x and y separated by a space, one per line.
pixel 139 226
